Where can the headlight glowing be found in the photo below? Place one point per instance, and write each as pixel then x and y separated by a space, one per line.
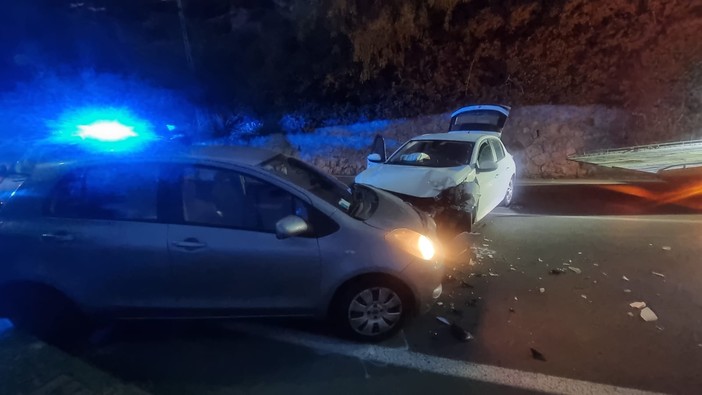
pixel 413 243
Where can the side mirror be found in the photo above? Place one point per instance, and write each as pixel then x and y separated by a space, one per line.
pixel 290 226
pixel 486 165
pixel 374 158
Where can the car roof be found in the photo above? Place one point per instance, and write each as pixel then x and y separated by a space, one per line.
pixel 453 136
pixel 238 155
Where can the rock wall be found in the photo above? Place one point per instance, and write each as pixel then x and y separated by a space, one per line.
pixel 540 138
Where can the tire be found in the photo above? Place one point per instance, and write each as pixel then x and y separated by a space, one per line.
pixel 48 315
pixel 371 309
pixel 509 195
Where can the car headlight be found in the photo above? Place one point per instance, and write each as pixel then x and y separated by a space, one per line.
pixel 413 243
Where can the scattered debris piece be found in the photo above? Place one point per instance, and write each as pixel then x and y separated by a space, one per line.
pixel 604 274
pixel 580 253
pixel 650 244
pixel 434 334
pixel 477 274
pixel 472 302
pixel 658 274
pixel 490 256
pixel 660 328
pixel 556 271
pixel 541 260
pixel 625 278
pixel 471 262
pixel 666 248
pixel 575 269
pixel 583 296
pixel 595 264
pixel 566 264
pixel 474 234
pixel 493 274
pixel 439 303
pixel 443 320
pixel 515 298
pixel 648 315
pixel 486 245
pixel 464 284
pixel 537 355
pixel 630 314
pixel 627 290
pixel 638 305
pixel 460 333
pixel 542 290
pixel 570 261
pixel 594 281
pixel 512 269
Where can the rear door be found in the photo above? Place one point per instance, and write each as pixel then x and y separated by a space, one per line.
pixel 504 168
pixel 101 239
pixel 226 257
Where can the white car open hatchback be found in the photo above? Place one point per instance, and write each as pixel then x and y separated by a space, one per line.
pixel 458 177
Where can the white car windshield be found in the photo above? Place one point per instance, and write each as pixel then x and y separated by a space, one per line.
pixel 433 153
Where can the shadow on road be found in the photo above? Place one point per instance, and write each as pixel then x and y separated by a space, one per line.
pixel 632 199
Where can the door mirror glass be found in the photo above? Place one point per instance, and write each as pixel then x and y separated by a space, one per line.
pixel 487 165
pixel 291 226
pixel 374 158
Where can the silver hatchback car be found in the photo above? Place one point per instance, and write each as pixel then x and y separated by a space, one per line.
pixel 209 232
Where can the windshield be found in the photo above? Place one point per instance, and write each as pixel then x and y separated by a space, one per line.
pixel 433 153
pixel 358 204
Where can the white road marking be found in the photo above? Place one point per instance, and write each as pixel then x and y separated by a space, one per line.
pixel 438 365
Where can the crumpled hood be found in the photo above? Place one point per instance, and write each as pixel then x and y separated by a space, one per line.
pixel 416 181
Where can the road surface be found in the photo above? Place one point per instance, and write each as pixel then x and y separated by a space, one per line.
pixel 613 250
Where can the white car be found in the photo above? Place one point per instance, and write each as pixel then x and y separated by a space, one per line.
pixel 458 177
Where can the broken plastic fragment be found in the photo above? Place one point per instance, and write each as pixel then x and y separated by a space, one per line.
pixel 658 274
pixel 493 274
pixel 627 291
pixel 580 253
pixel 515 298
pixel 537 355
pixel 575 269
pixel 443 320
pixel 542 290
pixel 630 314
pixel 648 315
pixel 460 333
pixel 541 260
pixel 625 278
pixel 583 296
pixel 638 305
pixel 666 248
pixel 439 303
pixel 556 271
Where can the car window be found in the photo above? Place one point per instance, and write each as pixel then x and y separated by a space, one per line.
pixel 433 153
pixel 119 192
pixel 225 198
pixel 485 153
pixel 497 147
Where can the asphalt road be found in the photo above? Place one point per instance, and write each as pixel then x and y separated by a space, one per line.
pixel 591 339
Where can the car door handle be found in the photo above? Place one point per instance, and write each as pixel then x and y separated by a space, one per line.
pixel 60 237
pixel 189 244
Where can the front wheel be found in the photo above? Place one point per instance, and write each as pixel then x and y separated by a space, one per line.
pixel 371 309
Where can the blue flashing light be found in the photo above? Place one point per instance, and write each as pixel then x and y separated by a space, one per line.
pixel 103 129
pixel 106 131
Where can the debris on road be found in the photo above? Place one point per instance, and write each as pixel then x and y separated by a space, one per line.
pixel 443 320
pixel 464 284
pixel 493 274
pixel 575 269
pixel 490 256
pixel 512 268
pixel 542 290
pixel 658 274
pixel 580 253
pixel 515 298
pixel 439 303
pixel 666 248
pixel 625 278
pixel 471 262
pixel 583 296
pixel 648 315
pixel 556 271
pixel 595 264
pixel 460 333
pixel 541 260
pixel 537 355
pixel 638 305
pixel 627 290
pixel 630 314
pixel 566 264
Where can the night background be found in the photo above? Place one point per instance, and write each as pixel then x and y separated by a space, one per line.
pixel 296 65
